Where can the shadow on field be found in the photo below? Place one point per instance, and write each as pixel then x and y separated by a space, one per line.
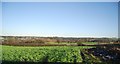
pixel 13 62
pixel 44 61
pixel 108 54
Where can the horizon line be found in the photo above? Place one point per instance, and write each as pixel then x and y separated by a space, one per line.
pixel 61 36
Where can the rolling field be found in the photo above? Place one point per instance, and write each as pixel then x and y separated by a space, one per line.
pixel 43 54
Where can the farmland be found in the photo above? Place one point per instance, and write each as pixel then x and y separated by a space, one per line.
pixel 60 54
pixel 59 50
pixel 43 54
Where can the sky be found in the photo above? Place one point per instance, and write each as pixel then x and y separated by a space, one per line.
pixel 62 19
pixel 0 18
pixel 60 0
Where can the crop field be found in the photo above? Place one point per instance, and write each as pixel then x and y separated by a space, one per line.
pixel 60 54
pixel 90 43
pixel 42 54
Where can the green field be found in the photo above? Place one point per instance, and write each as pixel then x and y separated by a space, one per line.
pixel 90 43
pixel 42 53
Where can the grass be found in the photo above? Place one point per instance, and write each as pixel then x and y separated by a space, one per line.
pixel 42 53
pixel 90 43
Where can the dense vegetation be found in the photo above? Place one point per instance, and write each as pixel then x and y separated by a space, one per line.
pixel 42 54
pixel 61 54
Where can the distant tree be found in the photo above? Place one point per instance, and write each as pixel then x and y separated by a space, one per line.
pixel 58 41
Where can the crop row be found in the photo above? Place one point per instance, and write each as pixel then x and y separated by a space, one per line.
pixel 42 54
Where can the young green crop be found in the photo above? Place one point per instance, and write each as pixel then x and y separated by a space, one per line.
pixel 42 53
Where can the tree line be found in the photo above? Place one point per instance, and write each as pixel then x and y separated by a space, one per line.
pixel 25 40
